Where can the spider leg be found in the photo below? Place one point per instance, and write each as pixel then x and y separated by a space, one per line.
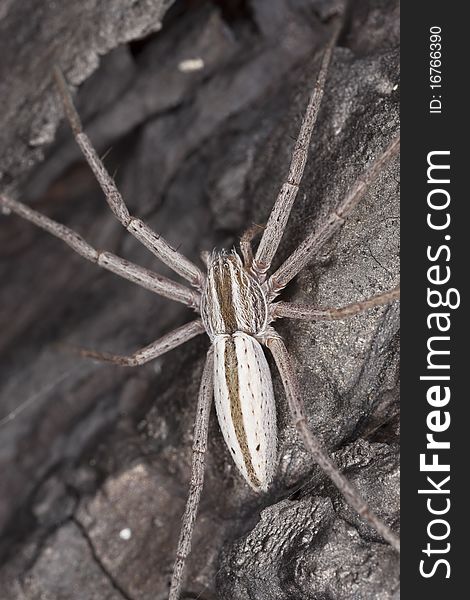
pixel 245 244
pixel 305 312
pixel 151 351
pixel 289 380
pixel 205 257
pixel 154 242
pixel 201 427
pixel 139 275
pixel 310 246
pixel 282 207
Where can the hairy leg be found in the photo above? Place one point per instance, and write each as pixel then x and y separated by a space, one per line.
pixel 282 207
pixel 171 340
pixel 154 242
pixel 139 275
pixel 289 380
pixel 246 247
pixel 305 312
pixel 312 244
pixel 201 427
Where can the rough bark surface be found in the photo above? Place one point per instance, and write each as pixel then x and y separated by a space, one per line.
pixel 94 459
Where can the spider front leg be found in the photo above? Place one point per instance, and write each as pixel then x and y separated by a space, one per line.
pixel 282 207
pixel 293 310
pixel 246 247
pixel 289 380
pixel 154 242
pixel 312 244
pixel 201 427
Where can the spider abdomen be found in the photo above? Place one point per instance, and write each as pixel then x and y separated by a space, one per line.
pixel 232 300
pixel 246 411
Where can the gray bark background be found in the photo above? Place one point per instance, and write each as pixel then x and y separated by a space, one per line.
pixel 94 449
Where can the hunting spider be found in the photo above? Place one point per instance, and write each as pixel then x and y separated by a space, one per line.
pixel 236 302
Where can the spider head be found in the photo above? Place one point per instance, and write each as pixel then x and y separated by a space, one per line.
pixel 232 299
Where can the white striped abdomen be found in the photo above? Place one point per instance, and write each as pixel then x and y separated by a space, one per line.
pixel 244 401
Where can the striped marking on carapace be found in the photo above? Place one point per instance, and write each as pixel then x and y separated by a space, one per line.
pixel 233 300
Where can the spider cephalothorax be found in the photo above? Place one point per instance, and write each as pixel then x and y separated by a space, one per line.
pixel 232 299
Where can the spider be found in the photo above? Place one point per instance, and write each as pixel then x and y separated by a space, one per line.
pixel 236 301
